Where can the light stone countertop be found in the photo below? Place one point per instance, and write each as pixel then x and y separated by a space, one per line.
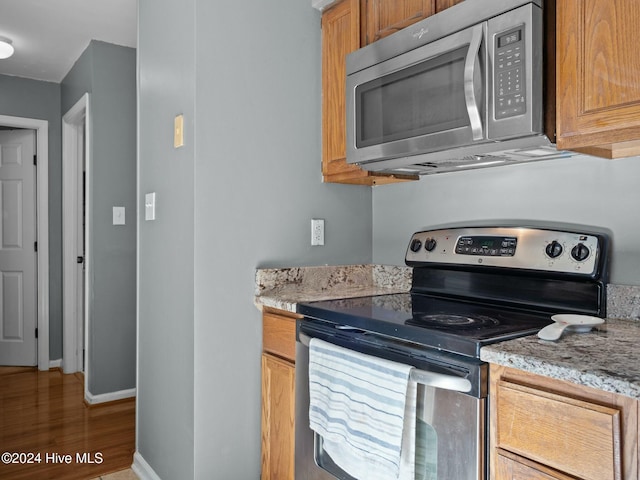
pixel 284 288
pixel 606 358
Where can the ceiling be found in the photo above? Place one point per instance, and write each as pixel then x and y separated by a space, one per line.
pixel 50 35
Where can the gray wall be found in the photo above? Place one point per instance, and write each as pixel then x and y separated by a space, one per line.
pixel 108 73
pixel 166 73
pixel 239 195
pixel 21 97
pixel 582 190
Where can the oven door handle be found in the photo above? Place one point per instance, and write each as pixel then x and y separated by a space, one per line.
pixel 440 380
pixel 429 379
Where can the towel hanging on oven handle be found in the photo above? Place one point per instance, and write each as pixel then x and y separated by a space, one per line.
pixel 430 379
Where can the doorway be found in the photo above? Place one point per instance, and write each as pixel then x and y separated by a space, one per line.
pixel 75 254
pixel 41 128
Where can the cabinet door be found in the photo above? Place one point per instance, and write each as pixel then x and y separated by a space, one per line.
pixel 567 434
pixel 278 414
pixel 340 36
pixel 598 63
pixel 384 17
pixel 561 428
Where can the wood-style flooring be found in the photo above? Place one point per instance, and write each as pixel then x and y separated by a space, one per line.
pixel 43 418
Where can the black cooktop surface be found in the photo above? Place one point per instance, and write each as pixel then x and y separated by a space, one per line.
pixel 446 324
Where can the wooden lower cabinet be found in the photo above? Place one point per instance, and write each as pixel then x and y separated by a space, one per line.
pixel 507 467
pixel 278 414
pixel 278 395
pixel 541 429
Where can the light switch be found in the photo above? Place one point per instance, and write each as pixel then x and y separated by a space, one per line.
pixel 150 206
pixel 118 215
pixel 178 131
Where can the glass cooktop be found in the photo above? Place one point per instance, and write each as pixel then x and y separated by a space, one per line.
pixel 455 326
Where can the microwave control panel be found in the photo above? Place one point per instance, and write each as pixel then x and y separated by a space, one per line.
pixel 509 74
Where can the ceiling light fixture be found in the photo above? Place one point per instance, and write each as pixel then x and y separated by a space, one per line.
pixel 6 48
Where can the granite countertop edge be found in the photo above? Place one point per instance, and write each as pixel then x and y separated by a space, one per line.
pixel 604 359
pixel 284 288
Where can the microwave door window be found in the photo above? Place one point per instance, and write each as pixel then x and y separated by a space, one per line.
pixel 423 99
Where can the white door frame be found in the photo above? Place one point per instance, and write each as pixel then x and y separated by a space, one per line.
pixel 42 211
pixel 75 137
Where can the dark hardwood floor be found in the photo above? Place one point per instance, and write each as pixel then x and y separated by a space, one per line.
pixel 43 419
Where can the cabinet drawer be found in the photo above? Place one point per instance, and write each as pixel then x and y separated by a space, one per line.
pixel 509 469
pixel 570 435
pixel 279 335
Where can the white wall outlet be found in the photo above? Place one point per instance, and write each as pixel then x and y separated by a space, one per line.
pixel 118 215
pixel 150 206
pixel 317 231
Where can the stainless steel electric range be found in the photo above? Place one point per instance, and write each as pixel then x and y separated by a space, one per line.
pixel 471 287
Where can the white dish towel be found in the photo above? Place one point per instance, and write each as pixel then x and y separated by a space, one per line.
pixel 364 408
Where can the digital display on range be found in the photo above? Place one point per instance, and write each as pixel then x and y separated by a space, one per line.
pixel 488 246
pixel 488 243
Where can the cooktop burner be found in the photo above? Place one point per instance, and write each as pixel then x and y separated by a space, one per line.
pixel 451 322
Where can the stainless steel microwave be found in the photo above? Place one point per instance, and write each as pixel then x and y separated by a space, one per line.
pixel 461 89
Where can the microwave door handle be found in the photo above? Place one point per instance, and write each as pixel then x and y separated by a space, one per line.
pixel 469 85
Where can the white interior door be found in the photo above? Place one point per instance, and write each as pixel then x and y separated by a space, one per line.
pixel 75 160
pixel 18 293
pixel 80 262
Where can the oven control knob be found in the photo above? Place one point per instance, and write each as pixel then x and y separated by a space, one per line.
pixel 416 244
pixel 554 249
pixel 580 252
pixel 430 244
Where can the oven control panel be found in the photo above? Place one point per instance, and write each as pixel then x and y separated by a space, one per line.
pixel 486 245
pixel 509 247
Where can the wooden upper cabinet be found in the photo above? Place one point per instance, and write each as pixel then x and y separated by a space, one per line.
pixel 443 4
pixel 341 36
pixel 381 18
pixel 598 84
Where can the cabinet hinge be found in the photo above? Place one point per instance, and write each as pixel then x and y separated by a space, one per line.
pixel 36 332
pixel 35 159
pixel 35 246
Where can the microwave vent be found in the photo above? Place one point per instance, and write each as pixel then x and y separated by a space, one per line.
pixel 469 161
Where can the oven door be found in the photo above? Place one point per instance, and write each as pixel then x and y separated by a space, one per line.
pixel 428 99
pixel 450 424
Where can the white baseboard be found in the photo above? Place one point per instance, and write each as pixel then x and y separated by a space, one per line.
pixel 55 363
pixel 109 397
pixel 142 469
